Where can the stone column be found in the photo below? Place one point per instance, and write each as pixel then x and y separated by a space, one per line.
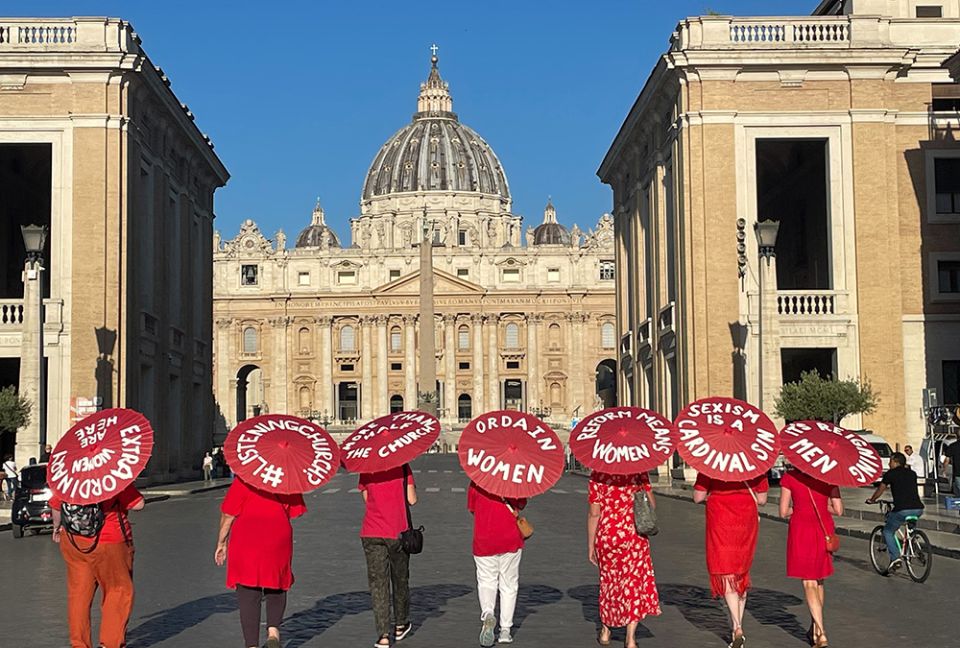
pixel 533 362
pixel 279 379
pixel 366 369
pixel 450 366
pixel 477 364
pixel 383 399
pixel 577 371
pixel 28 437
pixel 409 363
pixel 326 366
pixel 493 360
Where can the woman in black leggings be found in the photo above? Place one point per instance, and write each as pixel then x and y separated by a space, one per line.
pixel 257 526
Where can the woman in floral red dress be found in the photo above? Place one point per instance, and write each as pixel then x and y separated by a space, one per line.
pixel 733 523
pixel 628 589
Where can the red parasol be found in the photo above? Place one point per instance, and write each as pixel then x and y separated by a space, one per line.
pixel 389 442
pixel 279 453
pixel 831 454
pixel 100 456
pixel 511 454
pixel 726 439
pixel 623 440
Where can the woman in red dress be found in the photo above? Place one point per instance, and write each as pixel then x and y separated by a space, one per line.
pixel 257 526
pixel 810 505
pixel 628 589
pixel 732 526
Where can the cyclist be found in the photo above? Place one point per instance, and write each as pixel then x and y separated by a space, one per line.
pixel 902 482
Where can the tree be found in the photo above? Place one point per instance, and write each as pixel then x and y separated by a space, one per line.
pixel 14 410
pixel 824 399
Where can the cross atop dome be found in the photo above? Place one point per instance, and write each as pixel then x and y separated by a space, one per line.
pixel 434 92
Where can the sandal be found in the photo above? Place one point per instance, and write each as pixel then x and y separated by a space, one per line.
pixel 600 639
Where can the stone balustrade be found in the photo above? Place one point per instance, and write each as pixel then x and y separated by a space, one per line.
pixel 807 303
pixel 11 314
pixel 67 35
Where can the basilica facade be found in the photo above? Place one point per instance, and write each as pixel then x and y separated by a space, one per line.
pixel 524 318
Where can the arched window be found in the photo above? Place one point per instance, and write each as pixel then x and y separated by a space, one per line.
pixel 512 336
pixel 553 336
pixel 305 341
pixel 463 337
pixel 464 407
pixel 250 340
pixel 347 339
pixel 306 398
pixel 396 403
pixel 556 395
pixel 608 336
pixel 396 339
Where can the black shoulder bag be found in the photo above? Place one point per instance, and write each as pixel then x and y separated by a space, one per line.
pixel 411 540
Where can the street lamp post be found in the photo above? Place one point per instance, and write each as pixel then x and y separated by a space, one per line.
pixel 34 241
pixel 766 232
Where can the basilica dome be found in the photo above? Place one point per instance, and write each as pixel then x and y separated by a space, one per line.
pixel 317 233
pixel 550 232
pixel 435 152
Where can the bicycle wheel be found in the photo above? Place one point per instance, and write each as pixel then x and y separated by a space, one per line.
pixel 879 557
pixel 920 561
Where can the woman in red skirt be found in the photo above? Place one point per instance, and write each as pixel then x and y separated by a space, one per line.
pixel 628 589
pixel 257 526
pixel 810 505
pixel 732 527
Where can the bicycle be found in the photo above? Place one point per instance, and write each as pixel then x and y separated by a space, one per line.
pixel 914 546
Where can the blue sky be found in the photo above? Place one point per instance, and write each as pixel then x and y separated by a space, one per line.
pixel 299 96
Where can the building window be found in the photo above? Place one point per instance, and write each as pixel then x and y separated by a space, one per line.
pixel 347 338
pixel 512 336
pixel 951 382
pixel 946 179
pixel 607 270
pixel 463 338
pixel 394 275
pixel 556 395
pixel 346 368
pixel 396 366
pixel 462 237
pixel 248 275
pixel 553 275
pixel 396 339
pixel 464 366
pixel 948 276
pixel 303 278
pixel 929 11
pixel 464 408
pixel 305 341
pixel 553 336
pixel 513 364
pixel 396 403
pixel 608 336
pixel 463 273
pixel 511 275
pixel 250 340
pixel 347 277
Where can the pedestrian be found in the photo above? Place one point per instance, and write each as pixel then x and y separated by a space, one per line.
pixel 386 496
pixel 207 467
pixel 97 557
pixel 11 474
pixel 45 455
pixel 914 461
pixel 902 483
pixel 628 588
pixel 810 505
pixel 951 457
pixel 732 526
pixel 497 547
pixel 256 542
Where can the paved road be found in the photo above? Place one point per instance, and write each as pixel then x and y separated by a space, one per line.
pixel 181 599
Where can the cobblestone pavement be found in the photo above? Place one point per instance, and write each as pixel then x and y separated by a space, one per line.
pixel 182 601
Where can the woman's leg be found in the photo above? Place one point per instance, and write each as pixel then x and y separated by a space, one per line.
pixel 509 585
pixel 736 603
pixel 114 570
pixel 276 604
pixel 81 588
pixel 400 578
pixel 378 577
pixel 248 600
pixel 813 593
pixel 631 640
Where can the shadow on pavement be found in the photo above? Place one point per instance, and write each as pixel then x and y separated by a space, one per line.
pixel 165 624
pixel 769 607
pixel 426 602
pixel 589 596
pixel 530 597
pixel 857 563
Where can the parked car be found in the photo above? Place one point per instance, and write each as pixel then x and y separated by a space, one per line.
pixel 31 502
pixel 777 470
pixel 880 445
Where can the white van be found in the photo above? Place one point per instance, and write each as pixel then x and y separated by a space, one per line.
pixel 880 445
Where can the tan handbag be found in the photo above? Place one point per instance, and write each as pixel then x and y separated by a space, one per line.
pixel 526 528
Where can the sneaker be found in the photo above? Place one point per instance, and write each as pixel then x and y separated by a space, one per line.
pixel 272 642
pixel 400 632
pixel 895 565
pixel 505 636
pixel 486 630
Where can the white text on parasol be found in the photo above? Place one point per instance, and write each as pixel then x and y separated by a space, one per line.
pixel 67 481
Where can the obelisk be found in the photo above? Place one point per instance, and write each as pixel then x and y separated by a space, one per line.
pixel 427 395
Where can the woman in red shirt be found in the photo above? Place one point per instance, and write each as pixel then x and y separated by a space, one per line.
pixel 497 546
pixel 105 561
pixel 257 526
pixel 733 522
pixel 628 587
pixel 386 495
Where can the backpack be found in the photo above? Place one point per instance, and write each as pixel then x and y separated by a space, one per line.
pixel 83 520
